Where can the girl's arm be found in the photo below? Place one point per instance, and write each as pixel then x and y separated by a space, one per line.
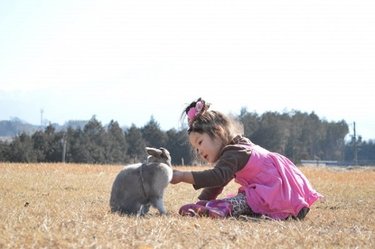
pixel 182 176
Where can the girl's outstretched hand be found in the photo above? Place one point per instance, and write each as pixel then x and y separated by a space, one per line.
pixel 182 176
pixel 177 176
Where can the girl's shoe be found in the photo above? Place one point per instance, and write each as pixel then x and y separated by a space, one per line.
pixel 214 209
pixel 219 209
pixel 202 203
pixel 302 213
pixel 193 210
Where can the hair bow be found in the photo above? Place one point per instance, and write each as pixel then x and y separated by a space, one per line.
pixel 194 111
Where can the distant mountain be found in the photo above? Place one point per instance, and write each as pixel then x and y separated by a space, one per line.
pixel 16 126
pixel 11 128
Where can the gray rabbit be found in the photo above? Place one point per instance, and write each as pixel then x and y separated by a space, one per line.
pixel 138 186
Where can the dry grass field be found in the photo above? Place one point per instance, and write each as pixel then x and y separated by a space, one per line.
pixel 66 206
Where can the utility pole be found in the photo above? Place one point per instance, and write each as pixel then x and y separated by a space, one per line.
pixel 63 142
pixel 355 145
pixel 41 118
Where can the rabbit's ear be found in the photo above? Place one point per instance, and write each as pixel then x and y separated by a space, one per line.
pixel 164 153
pixel 154 152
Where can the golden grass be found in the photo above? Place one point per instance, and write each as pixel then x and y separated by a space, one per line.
pixel 66 206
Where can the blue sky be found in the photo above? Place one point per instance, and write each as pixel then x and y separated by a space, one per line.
pixel 130 60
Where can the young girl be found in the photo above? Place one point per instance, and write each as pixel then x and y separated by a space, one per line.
pixel 271 184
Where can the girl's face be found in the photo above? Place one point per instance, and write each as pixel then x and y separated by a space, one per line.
pixel 207 148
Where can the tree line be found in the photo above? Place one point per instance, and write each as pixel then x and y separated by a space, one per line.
pixel 297 135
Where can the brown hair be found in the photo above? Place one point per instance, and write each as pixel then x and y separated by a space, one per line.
pixel 214 123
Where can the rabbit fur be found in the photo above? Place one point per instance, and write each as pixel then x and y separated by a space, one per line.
pixel 141 185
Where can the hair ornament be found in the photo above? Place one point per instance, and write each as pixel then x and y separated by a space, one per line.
pixel 195 110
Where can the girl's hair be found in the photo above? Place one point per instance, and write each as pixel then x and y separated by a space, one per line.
pixel 214 123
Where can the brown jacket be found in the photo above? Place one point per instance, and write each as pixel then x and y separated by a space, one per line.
pixel 232 159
